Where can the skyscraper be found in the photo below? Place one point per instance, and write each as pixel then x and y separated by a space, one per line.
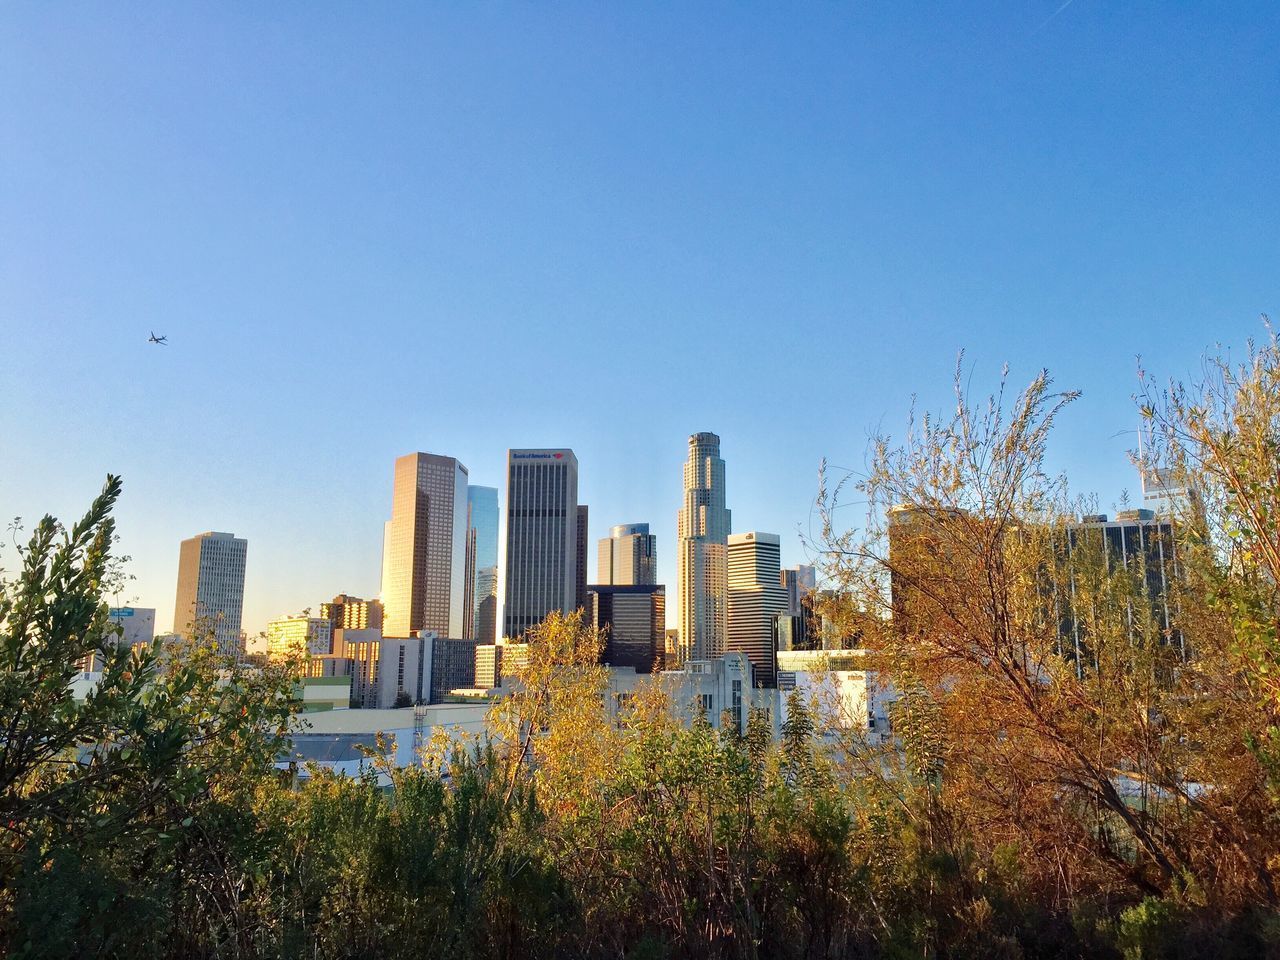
pixel 633 617
pixel 1168 494
pixel 425 552
pixel 542 537
pixel 211 588
pixel 798 583
pixel 581 600
pixel 1145 545
pixel 702 529
pixel 482 561
pixel 628 556
pixel 756 597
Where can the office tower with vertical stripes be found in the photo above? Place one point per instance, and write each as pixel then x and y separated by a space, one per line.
pixel 702 530
pixel 425 548
pixel 756 597
pixel 542 537
pixel 210 594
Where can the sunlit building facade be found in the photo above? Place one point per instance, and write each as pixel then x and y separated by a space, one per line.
pixel 352 613
pixel 289 636
pixel 628 556
pixel 210 596
pixel 425 553
pixel 702 528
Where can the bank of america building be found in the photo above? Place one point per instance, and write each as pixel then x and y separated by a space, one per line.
pixel 542 537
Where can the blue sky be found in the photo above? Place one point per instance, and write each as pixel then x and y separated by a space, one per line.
pixel 377 228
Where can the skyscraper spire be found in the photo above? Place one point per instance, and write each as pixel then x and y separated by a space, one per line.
pixel 702 531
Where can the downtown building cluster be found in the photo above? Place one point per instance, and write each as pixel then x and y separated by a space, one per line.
pixel 447 633
pixel 453 611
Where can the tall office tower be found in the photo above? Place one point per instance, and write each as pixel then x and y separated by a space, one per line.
pixel 628 556
pixel 211 588
pixel 756 598
pixel 798 582
pixel 702 529
pixel 581 600
pixel 425 554
pixel 345 612
pixel 495 660
pixel 924 560
pixel 482 559
pixel 289 636
pixel 542 537
pixel 634 619
pixel 1141 543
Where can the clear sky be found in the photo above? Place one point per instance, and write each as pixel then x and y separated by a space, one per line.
pixel 369 229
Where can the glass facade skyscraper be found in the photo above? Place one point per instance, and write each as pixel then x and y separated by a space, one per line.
pixel 482 561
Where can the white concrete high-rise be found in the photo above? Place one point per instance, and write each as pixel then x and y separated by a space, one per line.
pixel 210 593
pixel 542 537
pixel 425 548
pixel 628 556
pixel 756 597
pixel 702 530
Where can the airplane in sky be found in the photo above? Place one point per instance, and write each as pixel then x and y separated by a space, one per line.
pixel 163 341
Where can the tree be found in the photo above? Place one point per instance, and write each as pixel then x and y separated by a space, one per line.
pixel 1107 765
pixel 140 790
pixel 54 748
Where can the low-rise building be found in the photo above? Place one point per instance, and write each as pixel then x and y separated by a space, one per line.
pixel 319 693
pixel 496 660
pixel 721 690
pixel 839 687
pixel 132 626
pixel 343 741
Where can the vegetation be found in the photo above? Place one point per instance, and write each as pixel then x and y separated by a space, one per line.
pixel 1070 774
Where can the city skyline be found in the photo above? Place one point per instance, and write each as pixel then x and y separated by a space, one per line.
pixel 270 610
pixel 784 239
